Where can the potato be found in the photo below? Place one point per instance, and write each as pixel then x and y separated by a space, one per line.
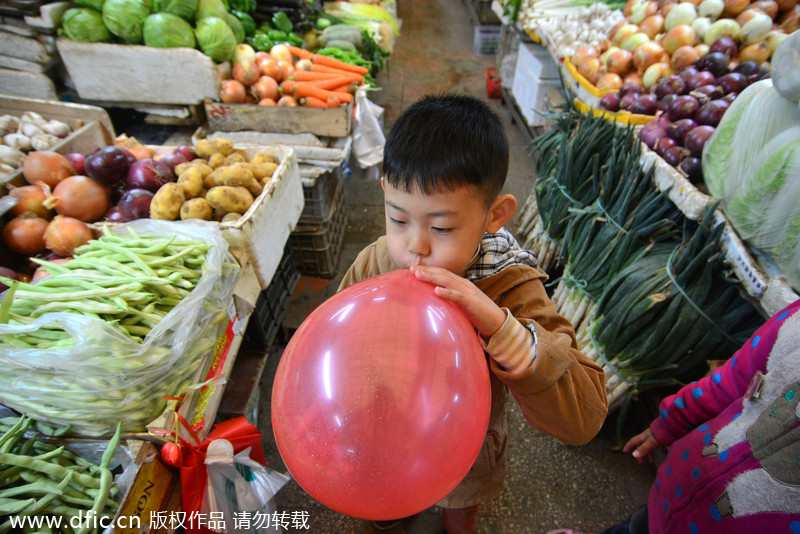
pixel 231 217
pixel 218 215
pixel 228 198
pixel 166 203
pixel 207 147
pixel 263 157
pixel 196 208
pixel 216 161
pixel 263 170
pixel 191 180
pixel 237 175
pixel 236 157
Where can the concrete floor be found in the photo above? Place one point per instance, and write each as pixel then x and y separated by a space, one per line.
pixel 548 485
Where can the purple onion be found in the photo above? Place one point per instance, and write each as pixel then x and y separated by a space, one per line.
pixel 693 168
pixel 696 139
pixel 644 105
pixel 675 155
pixel 714 62
pixel 653 131
pixel 664 144
pixel 683 107
pixel 135 204
pixel 107 165
pixel 149 174
pixel 711 112
pixel 678 129
pixel 626 101
pixel 663 104
pixel 703 77
pixel 725 46
pixel 610 101
pixel 733 82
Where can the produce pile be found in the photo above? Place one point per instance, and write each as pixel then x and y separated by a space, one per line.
pixel 40 479
pixel 106 334
pixel 291 76
pixel 212 26
pixel 659 38
pixel 638 277
pixel 21 135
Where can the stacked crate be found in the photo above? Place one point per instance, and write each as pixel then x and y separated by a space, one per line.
pixel 317 239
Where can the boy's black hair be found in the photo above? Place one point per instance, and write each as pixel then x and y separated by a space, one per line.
pixel 444 142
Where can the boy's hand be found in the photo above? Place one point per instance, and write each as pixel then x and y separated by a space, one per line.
pixel 482 312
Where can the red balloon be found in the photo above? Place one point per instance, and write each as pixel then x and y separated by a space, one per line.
pixel 380 402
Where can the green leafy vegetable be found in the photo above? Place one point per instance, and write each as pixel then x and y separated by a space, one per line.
pixel 215 38
pixel 125 18
pixel 182 8
pixel 84 24
pixel 163 30
pixel 210 8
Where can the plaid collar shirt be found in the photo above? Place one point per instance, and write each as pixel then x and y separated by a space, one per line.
pixel 497 252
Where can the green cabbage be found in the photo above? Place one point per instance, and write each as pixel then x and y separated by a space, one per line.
pixel 210 8
pixel 97 5
pixel 163 30
pixel 182 8
pixel 125 18
pixel 215 38
pixel 84 24
pixel 236 26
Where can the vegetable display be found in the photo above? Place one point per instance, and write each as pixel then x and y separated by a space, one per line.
pixel 106 335
pixel 638 277
pixel 752 163
pixel 40 479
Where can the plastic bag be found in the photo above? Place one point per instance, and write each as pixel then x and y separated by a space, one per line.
pixel 239 491
pixel 106 377
pixel 368 138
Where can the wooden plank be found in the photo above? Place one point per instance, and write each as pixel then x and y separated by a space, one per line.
pixel 27 84
pixel 330 122
pixel 242 383
pixel 8 62
pixel 133 73
pixel 27 48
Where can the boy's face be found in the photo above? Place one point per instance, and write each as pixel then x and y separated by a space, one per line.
pixel 439 229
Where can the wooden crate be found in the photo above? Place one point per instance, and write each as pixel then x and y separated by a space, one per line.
pixel 328 122
pixel 143 74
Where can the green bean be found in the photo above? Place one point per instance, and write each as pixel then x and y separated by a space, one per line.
pixel 11 436
pixel 14 506
pixel 49 469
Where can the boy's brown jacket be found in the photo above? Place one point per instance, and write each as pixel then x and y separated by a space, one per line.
pixel 561 394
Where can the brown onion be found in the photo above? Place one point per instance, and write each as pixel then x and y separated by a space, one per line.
pixel 65 234
pixel 785 5
pixel 619 62
pixel 734 7
pixel 646 55
pixel 758 52
pixel 25 234
pixel 770 7
pixel 680 35
pixel 683 57
pixel 46 167
pixel 588 67
pixel 79 197
pixel 790 19
pixel 31 198
pixel 609 82
pixel 41 271
pixel 652 25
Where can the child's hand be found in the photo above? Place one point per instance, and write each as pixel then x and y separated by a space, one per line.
pixel 642 445
pixel 482 312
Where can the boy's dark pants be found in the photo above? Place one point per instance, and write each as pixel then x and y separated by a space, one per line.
pixel 635 524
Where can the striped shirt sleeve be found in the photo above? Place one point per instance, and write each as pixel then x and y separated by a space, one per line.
pixel 513 346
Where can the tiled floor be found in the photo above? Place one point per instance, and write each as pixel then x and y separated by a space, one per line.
pixel 548 485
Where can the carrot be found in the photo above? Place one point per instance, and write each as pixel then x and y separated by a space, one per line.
pixel 335 63
pixel 300 52
pixel 303 90
pixel 331 70
pixel 346 88
pixel 310 76
pixel 311 102
pixel 331 84
pixel 333 102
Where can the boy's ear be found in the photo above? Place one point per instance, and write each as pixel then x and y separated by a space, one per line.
pixel 500 212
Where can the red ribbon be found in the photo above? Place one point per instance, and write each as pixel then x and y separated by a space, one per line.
pixel 241 434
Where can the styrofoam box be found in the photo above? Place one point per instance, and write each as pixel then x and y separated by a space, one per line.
pixel 486 39
pixel 538 60
pixel 531 93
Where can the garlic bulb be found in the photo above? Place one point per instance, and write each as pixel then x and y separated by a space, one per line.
pixel 29 129
pixel 18 141
pixel 43 141
pixel 10 156
pixel 57 128
pixel 6 169
pixel 33 118
pixel 8 124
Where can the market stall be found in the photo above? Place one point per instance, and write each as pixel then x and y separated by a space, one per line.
pixel 668 81
pixel 140 279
